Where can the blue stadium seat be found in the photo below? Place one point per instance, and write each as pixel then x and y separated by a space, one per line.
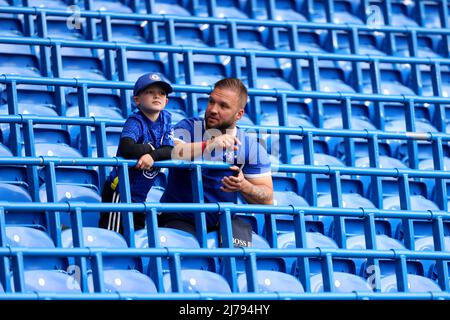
pixel 398 148
pixel 55 150
pixel 224 9
pixel 175 7
pixel 52 4
pixel 174 238
pixel 431 18
pixel 26 237
pixel 82 68
pixel 284 222
pixel 57 28
pixel 110 6
pixel 124 281
pixel 99 112
pixel 285 10
pixel 368 44
pixel 419 203
pixel 42 132
pixel 343 283
pixel 23 64
pixel 401 15
pixel 428 165
pixel 323 181
pixel 15 193
pixel 415 284
pixel 336 145
pixel 50 281
pixel 383 242
pixel 272 281
pixel 343 13
pixel 4 151
pixel 390 82
pixel 41 274
pixel 126 31
pixel 198 281
pixel 427 244
pixel 313 240
pixel 137 67
pixel 353 226
pixel 385 162
pixel 72 192
pixel 103 238
pixel 12 27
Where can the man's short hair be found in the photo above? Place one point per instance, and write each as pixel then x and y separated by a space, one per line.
pixel 237 86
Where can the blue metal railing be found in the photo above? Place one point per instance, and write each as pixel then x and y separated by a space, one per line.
pixel 227 209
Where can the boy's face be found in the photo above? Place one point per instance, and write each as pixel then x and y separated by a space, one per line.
pixel 151 99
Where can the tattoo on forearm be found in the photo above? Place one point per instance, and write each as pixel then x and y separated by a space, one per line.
pixel 259 194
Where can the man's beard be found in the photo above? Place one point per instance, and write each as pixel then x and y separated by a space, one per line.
pixel 221 126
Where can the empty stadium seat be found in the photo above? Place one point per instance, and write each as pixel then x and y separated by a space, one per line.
pixel 50 281
pixel 103 238
pixel 284 10
pixel 415 284
pixel 272 281
pixel 384 162
pixel 336 145
pixel 4 151
pixel 313 240
pixel 174 238
pixel 353 226
pixel 16 193
pixel 428 165
pixel 72 192
pixel 383 242
pixel 41 273
pixel 198 281
pixel 224 9
pixel 343 283
pixel 284 222
pixel 26 237
pixel 427 244
pixel 418 203
pixel 398 148
pixel 124 281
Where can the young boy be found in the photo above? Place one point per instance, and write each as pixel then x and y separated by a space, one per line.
pixel 147 135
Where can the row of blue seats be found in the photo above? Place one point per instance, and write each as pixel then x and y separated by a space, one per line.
pixel 401 13
pixel 59 140
pixel 271 72
pixel 40 100
pixel 82 187
pixel 125 274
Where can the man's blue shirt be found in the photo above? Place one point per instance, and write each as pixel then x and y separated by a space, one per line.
pixel 250 156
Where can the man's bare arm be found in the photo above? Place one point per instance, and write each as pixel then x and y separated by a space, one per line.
pixel 258 190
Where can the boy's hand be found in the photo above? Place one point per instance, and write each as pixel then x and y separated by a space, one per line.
pixel 145 162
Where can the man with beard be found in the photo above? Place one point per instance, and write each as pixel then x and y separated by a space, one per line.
pixel 217 138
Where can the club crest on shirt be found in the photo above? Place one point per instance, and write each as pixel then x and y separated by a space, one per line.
pixel 153 172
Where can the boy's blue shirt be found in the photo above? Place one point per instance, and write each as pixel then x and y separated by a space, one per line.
pixel 142 130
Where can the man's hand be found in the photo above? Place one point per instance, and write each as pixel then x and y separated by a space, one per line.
pixel 235 182
pixel 224 141
pixel 145 162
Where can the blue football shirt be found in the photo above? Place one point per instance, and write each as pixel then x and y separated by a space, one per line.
pixel 142 130
pixel 251 157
